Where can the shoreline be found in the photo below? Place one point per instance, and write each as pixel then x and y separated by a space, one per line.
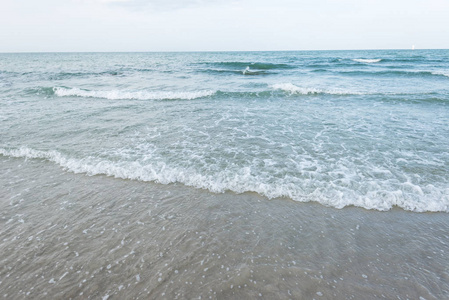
pixel 68 235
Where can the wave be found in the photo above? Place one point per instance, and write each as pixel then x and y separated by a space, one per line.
pixel 293 89
pixel 278 91
pixel 242 180
pixel 424 97
pixel 47 75
pixel 367 60
pixel 254 65
pixel 413 59
pixel 247 71
pixel 440 73
pixel 400 73
pixel 67 75
pixel 386 62
pixel 137 95
pixel 243 68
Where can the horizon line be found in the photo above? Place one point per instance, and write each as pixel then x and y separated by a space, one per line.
pixel 206 51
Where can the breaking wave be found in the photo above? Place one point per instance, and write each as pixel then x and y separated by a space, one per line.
pixel 367 61
pixel 293 89
pixel 440 73
pixel 252 65
pixel 138 95
pixel 243 180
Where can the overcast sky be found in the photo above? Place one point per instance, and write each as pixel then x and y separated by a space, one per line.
pixel 221 25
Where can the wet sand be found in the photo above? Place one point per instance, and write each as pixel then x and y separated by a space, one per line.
pixel 66 235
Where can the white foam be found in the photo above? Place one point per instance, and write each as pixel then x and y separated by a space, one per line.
pixel 367 61
pixel 138 95
pixel 377 195
pixel 293 89
pixel 441 73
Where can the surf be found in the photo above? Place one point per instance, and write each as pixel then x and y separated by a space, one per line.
pixel 135 95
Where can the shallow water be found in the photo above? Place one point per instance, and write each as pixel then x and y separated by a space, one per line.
pixel 67 235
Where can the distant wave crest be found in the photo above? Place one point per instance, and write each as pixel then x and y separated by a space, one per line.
pixel 293 89
pixel 396 73
pixel 253 65
pixel 243 68
pixel 441 73
pixel 138 95
pixel 367 60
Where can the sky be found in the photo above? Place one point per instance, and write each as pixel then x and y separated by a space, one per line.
pixel 221 25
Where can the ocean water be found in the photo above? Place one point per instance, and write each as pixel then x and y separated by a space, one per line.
pixel 362 128
pixel 234 175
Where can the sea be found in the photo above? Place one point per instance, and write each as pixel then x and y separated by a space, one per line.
pixel 225 175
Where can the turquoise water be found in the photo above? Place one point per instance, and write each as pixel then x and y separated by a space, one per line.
pixel 341 128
